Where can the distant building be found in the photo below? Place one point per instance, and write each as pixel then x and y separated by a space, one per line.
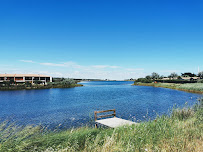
pixel 182 78
pixel 22 78
pixel 166 78
pixel 190 78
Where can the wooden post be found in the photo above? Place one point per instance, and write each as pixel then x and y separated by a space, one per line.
pixel 101 116
pixel 95 118
pixel 114 112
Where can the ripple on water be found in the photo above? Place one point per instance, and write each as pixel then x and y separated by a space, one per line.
pixel 75 106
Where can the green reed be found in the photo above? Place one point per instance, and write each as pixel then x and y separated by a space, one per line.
pixel 181 131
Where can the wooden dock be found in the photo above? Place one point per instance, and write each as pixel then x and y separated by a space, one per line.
pixel 111 122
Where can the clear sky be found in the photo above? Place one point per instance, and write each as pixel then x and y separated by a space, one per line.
pixel 110 39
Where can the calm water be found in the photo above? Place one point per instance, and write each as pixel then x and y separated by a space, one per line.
pixel 75 106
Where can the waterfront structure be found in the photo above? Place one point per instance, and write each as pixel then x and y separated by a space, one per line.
pixel 190 78
pixel 22 78
pixel 110 122
pixel 182 78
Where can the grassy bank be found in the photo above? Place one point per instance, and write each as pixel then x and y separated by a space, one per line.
pixel 39 87
pixel 181 131
pixel 59 83
pixel 189 87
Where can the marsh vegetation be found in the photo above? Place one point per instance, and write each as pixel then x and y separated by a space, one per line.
pixel 57 83
pixel 186 82
pixel 181 131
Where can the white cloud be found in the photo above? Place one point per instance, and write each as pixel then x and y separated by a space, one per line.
pixel 114 67
pixel 65 64
pixel 131 69
pixel 73 70
pixel 105 66
pixel 99 66
pixel 28 61
pixel 119 74
pixel 52 64
pixel 170 71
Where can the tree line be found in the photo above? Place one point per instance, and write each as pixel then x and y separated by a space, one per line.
pixel 155 76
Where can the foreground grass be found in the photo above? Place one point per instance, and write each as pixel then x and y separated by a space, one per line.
pixel 190 87
pixel 182 131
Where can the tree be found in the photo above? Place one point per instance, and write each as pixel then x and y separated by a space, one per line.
pixel 11 81
pixel 173 75
pixel 143 80
pixel 28 84
pixel 179 78
pixel 200 74
pixel 37 82
pixel 161 77
pixel 6 83
pixel 148 77
pixel 155 76
pixel 188 74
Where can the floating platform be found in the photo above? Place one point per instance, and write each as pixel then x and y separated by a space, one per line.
pixel 114 122
pixel 111 122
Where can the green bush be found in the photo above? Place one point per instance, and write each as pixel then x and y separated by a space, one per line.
pixel 144 80
pixel 199 110
pixel 63 83
pixel 182 114
pixel 28 84
pixel 200 81
pixel 60 83
pixel 37 82
pixel 192 86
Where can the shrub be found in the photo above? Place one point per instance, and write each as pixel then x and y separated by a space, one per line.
pixel 199 110
pixel 37 82
pixel 200 81
pixel 6 83
pixel 143 80
pixel 28 84
pixel 62 83
pixel 182 114
pixel 176 81
pixel 192 86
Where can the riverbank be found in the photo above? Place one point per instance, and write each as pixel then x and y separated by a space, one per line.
pixel 181 131
pixel 188 87
pixel 23 87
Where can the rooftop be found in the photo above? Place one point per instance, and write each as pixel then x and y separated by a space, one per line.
pixel 23 75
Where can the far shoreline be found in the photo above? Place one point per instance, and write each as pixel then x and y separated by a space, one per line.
pixel 167 85
pixel 38 87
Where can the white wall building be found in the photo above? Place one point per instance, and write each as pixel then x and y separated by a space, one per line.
pixel 20 78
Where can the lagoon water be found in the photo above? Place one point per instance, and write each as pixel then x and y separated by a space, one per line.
pixel 72 107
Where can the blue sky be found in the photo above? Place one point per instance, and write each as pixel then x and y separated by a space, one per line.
pixel 102 38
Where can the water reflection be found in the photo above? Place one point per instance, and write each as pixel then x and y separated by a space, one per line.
pixel 75 106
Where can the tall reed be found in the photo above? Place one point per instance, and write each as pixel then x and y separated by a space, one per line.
pixel 181 131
